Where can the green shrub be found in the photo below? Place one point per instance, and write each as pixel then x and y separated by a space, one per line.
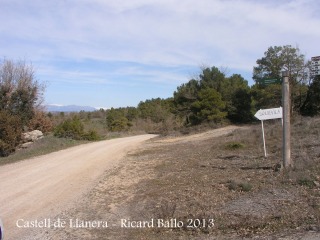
pixel 117 121
pixel 306 181
pixel 92 135
pixel 232 185
pixel 239 186
pixel 20 92
pixel 119 124
pixel 70 128
pixel 245 187
pixel 74 129
pixel 234 145
pixel 10 133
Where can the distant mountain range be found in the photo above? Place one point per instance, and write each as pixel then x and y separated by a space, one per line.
pixel 69 108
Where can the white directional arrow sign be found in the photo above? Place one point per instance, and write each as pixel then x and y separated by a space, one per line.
pixel 271 113
pixel 266 114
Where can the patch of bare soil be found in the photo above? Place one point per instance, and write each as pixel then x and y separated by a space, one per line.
pixel 208 187
pixel 200 136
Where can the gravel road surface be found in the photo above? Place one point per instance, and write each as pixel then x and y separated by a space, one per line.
pixel 41 187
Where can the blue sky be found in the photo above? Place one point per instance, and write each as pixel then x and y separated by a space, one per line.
pixel 110 53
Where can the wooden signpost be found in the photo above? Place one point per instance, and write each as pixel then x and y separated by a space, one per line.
pixel 286 138
pixel 282 112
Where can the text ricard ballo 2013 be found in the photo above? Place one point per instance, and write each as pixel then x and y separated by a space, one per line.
pixel 123 223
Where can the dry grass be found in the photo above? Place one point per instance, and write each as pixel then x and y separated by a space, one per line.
pixel 229 180
pixel 43 146
pixel 226 179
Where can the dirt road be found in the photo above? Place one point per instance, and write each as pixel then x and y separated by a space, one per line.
pixel 41 187
pixel 123 192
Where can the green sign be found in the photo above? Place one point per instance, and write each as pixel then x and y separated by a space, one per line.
pixel 270 81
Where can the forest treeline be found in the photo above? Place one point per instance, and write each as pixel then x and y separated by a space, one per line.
pixel 213 98
pixel 210 99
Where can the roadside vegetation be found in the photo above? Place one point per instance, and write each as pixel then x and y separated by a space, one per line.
pixel 209 100
pixel 43 146
pixel 245 193
pixel 224 178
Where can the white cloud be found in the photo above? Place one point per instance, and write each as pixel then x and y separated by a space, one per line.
pixel 160 32
pixel 152 33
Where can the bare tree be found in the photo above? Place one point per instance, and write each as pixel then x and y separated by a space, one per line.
pixel 20 92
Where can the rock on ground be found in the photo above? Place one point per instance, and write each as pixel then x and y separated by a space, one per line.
pixel 32 136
